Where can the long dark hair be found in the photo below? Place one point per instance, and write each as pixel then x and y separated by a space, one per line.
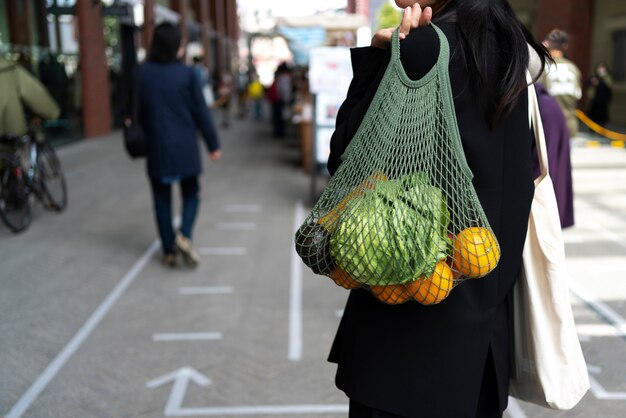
pixel 165 43
pixel 475 19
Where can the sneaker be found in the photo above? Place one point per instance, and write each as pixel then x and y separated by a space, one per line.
pixel 169 260
pixel 184 247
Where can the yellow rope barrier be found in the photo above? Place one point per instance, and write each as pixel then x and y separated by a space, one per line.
pixel 616 136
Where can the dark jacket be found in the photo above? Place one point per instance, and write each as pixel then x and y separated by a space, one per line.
pixel 428 361
pixel 171 110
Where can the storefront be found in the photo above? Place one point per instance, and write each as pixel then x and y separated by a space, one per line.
pixel 73 47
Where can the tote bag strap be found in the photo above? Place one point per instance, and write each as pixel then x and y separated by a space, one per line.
pixel 534 119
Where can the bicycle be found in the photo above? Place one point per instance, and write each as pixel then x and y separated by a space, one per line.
pixel 30 168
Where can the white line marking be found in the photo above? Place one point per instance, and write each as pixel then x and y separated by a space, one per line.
pixel 339 313
pixel 600 393
pixel 83 333
pixel 295 293
pixel 594 369
pixel 188 336
pixel 242 208
pixel 236 226
pixel 610 235
pixel 598 330
pixel 602 309
pixel 515 409
pixel 260 410
pixel 222 251
pixel 212 290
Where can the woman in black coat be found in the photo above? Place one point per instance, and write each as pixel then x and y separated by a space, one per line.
pixel 171 110
pixel 449 360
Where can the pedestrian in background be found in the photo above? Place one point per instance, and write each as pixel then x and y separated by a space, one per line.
pixel 449 360
pixel 256 91
pixel 562 78
pixel 279 95
pixel 171 109
pixel 599 94
pixel 203 74
pixel 558 147
pixel 19 88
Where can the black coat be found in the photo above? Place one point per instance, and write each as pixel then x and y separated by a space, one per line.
pixel 171 110
pixel 428 361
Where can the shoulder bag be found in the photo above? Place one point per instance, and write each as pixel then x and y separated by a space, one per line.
pixel 548 364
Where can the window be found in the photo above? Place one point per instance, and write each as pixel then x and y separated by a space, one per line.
pixel 619 55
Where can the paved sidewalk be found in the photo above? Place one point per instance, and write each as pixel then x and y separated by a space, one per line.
pixel 92 325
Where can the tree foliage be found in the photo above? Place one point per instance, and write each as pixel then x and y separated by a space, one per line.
pixel 387 16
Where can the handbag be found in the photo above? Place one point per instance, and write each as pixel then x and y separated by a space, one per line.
pixel 135 140
pixel 548 366
pixel 400 216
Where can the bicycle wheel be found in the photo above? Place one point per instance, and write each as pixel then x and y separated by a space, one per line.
pixel 51 178
pixel 14 195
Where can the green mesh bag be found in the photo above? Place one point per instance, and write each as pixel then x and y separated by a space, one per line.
pixel 400 217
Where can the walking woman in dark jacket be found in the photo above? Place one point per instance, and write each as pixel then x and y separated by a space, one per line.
pixel 171 110
pixel 449 360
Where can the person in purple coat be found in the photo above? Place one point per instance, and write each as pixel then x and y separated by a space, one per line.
pixel 557 143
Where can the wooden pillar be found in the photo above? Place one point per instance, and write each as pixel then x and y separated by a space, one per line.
pixel 19 22
pixel 181 7
pixel 148 23
pixel 573 16
pixel 94 70
pixel 218 14
pixel 202 14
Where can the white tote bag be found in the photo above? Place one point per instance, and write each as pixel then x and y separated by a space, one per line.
pixel 548 364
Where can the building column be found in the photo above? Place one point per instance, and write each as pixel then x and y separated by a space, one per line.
pixel 19 22
pixel 573 16
pixel 181 7
pixel 218 15
pixel 233 31
pixel 148 24
pixel 94 71
pixel 201 8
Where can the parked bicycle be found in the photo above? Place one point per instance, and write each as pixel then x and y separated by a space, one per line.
pixel 29 169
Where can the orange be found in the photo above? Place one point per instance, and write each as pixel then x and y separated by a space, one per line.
pixel 369 183
pixel 433 289
pixel 343 279
pixel 393 294
pixel 476 252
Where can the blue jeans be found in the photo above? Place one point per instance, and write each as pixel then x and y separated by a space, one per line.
pixel 162 198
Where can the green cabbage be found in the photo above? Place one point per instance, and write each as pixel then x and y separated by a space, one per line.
pixel 395 233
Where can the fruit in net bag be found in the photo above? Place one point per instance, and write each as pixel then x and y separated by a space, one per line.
pixel 434 288
pixel 313 246
pixel 476 252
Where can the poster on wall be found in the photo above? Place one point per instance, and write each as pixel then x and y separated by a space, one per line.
pixel 322 144
pixel 326 107
pixel 330 70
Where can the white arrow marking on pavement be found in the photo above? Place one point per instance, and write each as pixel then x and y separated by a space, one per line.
pixel 83 333
pixel 209 290
pixel 222 251
pixel 242 208
pixel 187 336
pixel 295 293
pixel 181 378
pixel 236 226
pixel 261 410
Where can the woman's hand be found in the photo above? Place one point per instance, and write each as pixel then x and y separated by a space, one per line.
pixel 215 155
pixel 412 18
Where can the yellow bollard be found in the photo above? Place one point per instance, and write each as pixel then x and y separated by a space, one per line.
pixel 593 144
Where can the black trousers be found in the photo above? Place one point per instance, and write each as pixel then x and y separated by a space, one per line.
pixel 488 406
